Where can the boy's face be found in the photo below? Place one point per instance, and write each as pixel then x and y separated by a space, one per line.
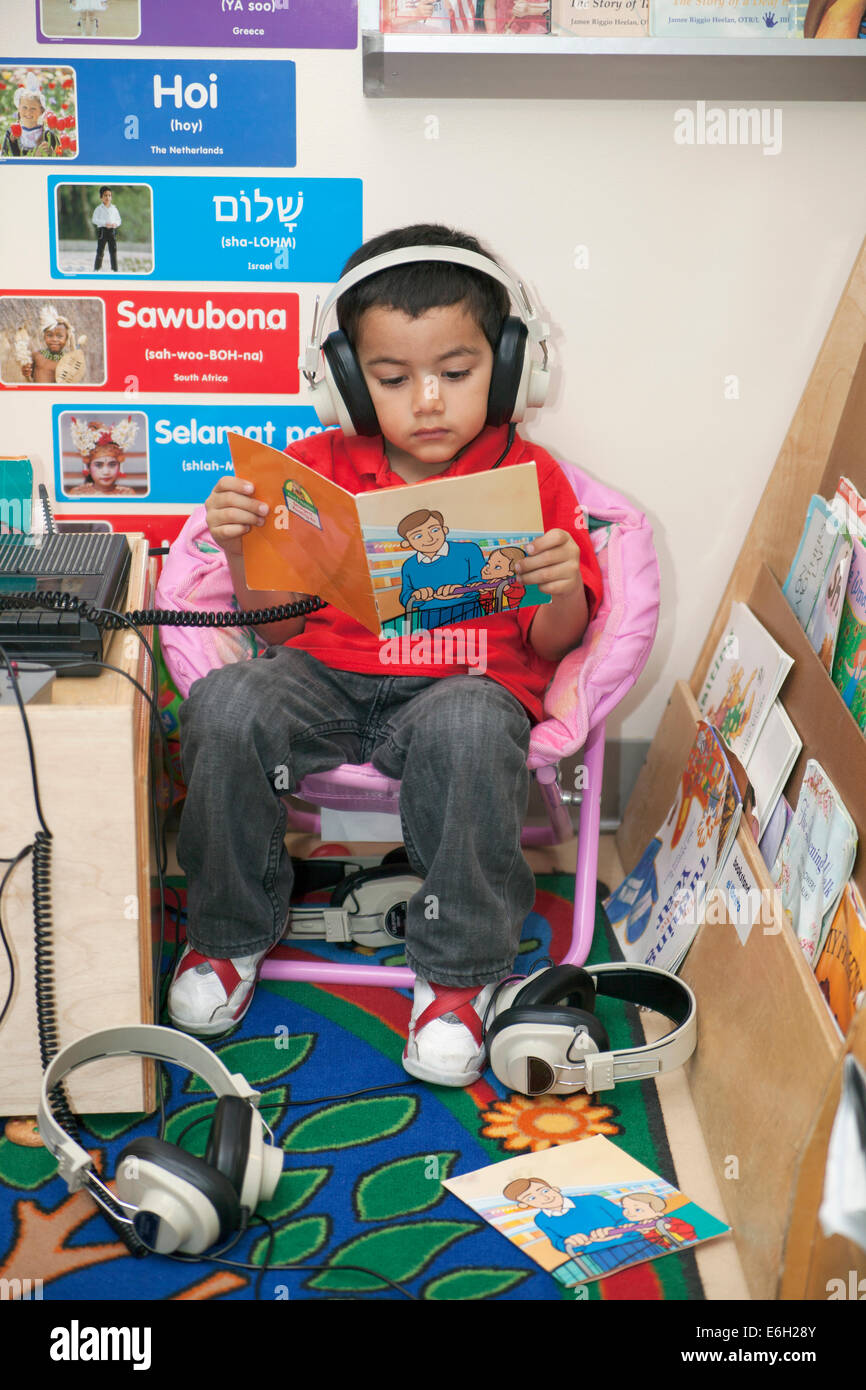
pixel 106 197
pixel 55 338
pixel 428 378
pixel 635 1210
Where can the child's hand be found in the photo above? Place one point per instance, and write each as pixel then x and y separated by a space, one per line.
pixel 552 562
pixel 232 510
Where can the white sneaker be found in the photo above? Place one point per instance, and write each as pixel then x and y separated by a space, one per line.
pixel 210 996
pixel 446 1042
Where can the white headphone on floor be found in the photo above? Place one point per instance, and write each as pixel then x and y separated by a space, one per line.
pixel 171 1199
pixel 340 396
pixel 544 1037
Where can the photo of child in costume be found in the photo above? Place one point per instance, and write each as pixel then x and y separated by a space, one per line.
pixel 52 342
pixel 103 446
pixel 37 113
pixel 90 19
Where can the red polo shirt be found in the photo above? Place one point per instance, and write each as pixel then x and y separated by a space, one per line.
pixel 360 465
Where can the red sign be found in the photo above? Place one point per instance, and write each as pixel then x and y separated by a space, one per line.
pixel 143 340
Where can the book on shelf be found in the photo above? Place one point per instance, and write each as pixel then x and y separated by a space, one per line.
pixel 849 662
pixel 601 18
pixel 657 909
pixel 822 543
pixel 770 19
pixel 771 841
pixel 771 763
pixel 827 19
pixel 815 859
pixel 436 17
pixel 841 967
pixel 744 677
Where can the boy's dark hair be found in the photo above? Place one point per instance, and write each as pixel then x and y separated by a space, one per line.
pixel 423 285
pixel 105 189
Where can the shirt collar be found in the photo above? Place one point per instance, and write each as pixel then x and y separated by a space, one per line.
pixel 428 559
pixel 368 456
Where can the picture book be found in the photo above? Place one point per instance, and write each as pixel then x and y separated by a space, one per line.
pixel 771 762
pixel 584 1210
pixel 769 19
pixel 657 909
pixel 743 679
pixel 823 534
pixel 853 508
pixel 815 859
pixel 398 559
pixel 593 18
pixel 849 664
pixel 841 967
pixel 771 840
pixel 823 626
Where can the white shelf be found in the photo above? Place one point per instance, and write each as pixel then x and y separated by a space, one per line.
pixel 725 70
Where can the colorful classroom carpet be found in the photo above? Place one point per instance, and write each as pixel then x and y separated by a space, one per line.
pixel 361 1185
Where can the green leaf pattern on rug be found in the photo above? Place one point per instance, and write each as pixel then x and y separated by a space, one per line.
pixel 400 1252
pixel 294 1243
pixel 261 1060
pixel 355 1122
pixel 462 1284
pixel 294 1190
pixel 24 1167
pixel 402 1186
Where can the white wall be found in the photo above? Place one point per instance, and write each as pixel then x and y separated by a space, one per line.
pixel 705 263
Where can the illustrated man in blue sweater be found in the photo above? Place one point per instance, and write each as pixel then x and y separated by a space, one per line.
pixel 438 570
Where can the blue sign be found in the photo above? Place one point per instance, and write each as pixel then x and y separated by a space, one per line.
pixel 124 452
pixel 123 112
pixel 270 230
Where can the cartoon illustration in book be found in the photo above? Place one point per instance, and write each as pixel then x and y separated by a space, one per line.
pixel 637 895
pixel 701 781
pixel 731 715
pixel 503 587
pixel 438 571
pixel 856 672
pixel 579 1224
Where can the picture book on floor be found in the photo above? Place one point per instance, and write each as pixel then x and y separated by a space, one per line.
pixel 743 679
pixel 815 859
pixel 584 1210
pixel 841 967
pixel 397 559
pixel 657 909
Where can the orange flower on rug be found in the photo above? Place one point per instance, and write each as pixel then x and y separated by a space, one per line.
pixel 522 1123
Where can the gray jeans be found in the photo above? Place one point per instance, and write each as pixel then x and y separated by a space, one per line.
pixel 459 745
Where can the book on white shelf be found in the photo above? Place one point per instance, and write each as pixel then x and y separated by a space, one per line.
pixel 657 909
pixel 724 19
pixel 743 679
pixel 823 535
pixel 815 859
pixel 771 762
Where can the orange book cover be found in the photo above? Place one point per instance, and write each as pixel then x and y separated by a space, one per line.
pixel 399 558
pixel 841 968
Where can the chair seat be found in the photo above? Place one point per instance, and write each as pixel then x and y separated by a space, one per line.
pixel 351 787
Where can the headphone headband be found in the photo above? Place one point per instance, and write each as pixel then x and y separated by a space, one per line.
pixel 139 1040
pixel 537 329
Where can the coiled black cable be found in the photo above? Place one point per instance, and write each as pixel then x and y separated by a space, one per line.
pixel 58 600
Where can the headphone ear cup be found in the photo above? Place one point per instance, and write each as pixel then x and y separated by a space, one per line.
pixel 509 368
pixel 185 1204
pixel 567 985
pixel 228 1144
pixel 353 406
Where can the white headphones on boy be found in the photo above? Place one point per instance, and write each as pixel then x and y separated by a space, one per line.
pixel 340 396
pixel 544 1037
pixel 171 1199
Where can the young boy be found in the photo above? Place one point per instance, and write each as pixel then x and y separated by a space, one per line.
pixel 424 336
pixel 106 220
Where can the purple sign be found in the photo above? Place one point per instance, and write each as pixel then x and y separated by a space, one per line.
pixel 201 23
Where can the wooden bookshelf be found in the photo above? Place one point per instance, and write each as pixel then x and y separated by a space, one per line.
pixel 769 1058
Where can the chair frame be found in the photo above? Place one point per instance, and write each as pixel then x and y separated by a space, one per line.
pixel 556 832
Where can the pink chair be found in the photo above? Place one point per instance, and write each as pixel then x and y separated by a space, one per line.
pixel 587 685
